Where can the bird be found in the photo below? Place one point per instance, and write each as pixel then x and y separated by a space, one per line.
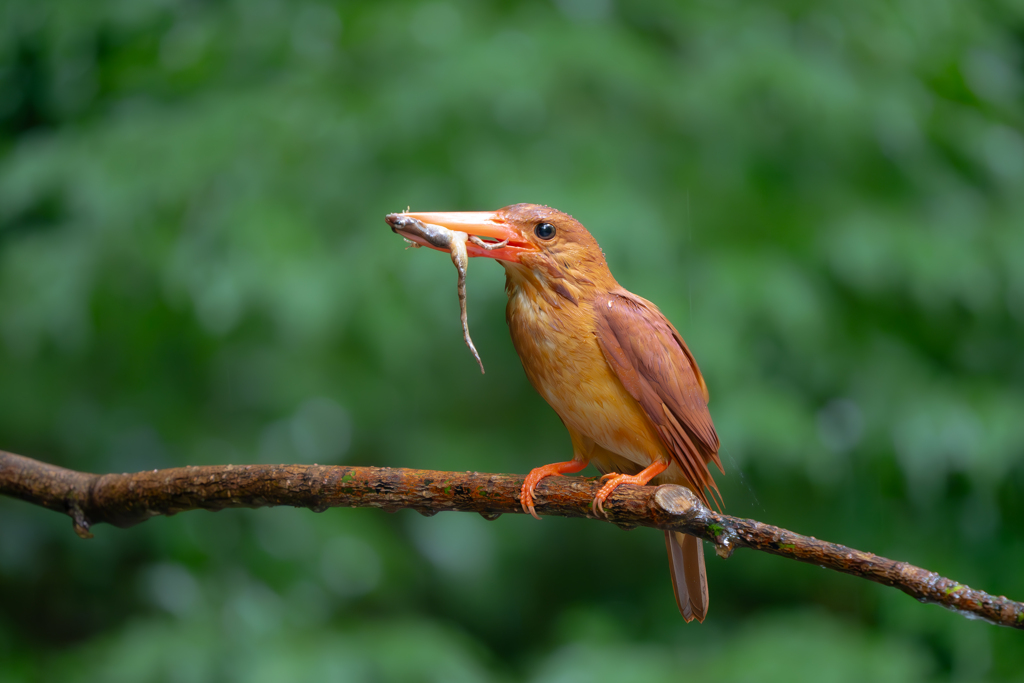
pixel 611 365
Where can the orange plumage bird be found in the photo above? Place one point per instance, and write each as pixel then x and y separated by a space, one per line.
pixel 616 371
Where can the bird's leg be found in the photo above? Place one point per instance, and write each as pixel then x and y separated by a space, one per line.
pixel 615 479
pixel 536 474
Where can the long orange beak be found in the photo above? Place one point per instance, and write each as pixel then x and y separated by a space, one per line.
pixel 487 225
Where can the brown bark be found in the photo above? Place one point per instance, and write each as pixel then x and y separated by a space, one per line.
pixel 127 499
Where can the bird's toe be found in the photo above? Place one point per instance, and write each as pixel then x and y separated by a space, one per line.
pixel 526 500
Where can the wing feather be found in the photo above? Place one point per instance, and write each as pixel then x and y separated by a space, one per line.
pixel 657 369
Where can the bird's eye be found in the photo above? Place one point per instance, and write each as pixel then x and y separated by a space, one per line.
pixel 545 231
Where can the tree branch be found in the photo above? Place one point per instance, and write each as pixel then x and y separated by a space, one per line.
pixel 127 499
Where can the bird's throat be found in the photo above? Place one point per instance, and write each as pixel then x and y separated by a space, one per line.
pixel 552 286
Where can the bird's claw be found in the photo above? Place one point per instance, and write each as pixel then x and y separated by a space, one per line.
pixel 537 474
pixel 526 500
pixel 613 481
pixel 597 507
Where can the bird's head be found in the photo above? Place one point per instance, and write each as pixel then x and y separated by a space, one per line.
pixel 545 248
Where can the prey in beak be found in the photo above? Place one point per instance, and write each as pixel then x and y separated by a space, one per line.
pixel 485 232
pixel 462 234
pixel 417 233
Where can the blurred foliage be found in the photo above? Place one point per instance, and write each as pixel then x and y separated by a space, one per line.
pixel 194 269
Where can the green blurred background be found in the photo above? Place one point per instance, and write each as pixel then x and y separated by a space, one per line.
pixel 825 197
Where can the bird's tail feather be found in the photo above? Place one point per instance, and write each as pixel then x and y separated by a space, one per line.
pixel 689 579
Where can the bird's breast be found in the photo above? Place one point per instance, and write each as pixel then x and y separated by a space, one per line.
pixel 558 346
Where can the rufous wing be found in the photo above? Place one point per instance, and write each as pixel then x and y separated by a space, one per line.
pixel 657 369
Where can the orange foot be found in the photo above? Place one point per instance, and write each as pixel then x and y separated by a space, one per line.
pixel 616 479
pixel 533 478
